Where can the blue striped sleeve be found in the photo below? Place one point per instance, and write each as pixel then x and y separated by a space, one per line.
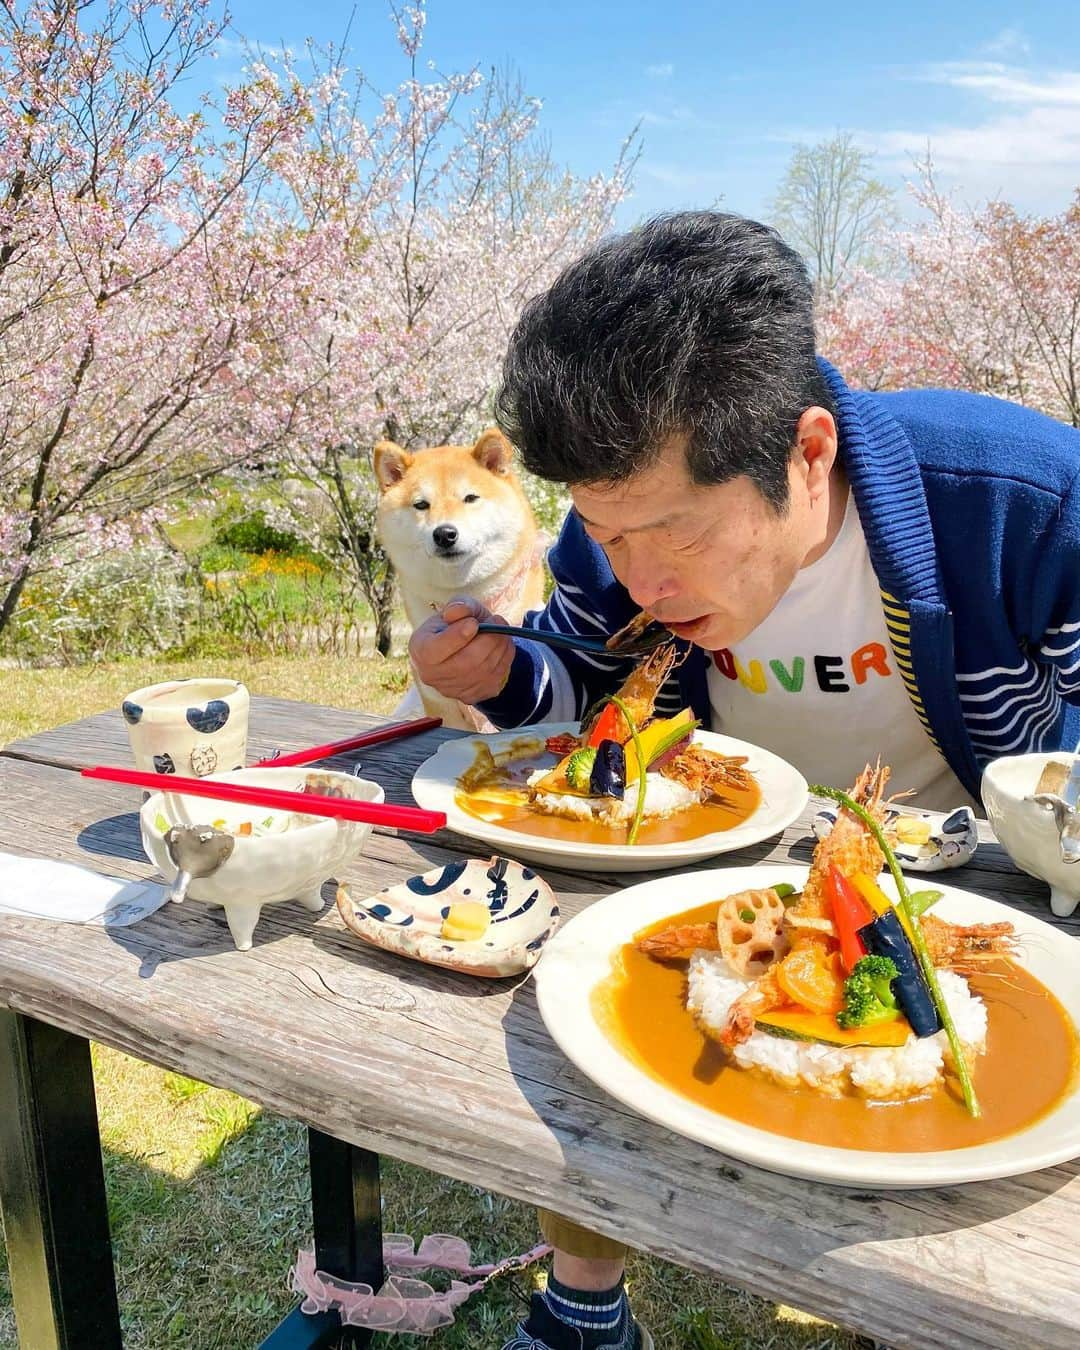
pixel 1059 578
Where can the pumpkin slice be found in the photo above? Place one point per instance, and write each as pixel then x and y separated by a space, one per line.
pixel 822 1028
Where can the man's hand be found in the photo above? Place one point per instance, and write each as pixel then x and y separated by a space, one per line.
pixel 449 655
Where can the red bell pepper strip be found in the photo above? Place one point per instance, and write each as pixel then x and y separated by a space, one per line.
pixel 607 726
pixel 850 912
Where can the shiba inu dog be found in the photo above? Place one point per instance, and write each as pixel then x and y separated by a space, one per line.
pixel 454 521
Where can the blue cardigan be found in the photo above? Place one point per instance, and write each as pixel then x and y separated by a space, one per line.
pixel 971 510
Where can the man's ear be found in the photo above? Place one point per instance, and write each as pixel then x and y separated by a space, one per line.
pixel 494 452
pixel 816 443
pixel 391 463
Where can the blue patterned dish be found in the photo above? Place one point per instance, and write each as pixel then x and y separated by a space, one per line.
pixel 407 918
pixel 954 836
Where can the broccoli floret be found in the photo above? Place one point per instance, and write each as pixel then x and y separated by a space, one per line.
pixel 868 995
pixel 579 768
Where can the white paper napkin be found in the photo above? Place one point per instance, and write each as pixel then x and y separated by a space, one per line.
pixel 41 889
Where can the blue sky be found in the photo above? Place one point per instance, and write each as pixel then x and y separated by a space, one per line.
pixel 724 91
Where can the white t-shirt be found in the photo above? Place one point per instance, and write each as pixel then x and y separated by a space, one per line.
pixel 817 682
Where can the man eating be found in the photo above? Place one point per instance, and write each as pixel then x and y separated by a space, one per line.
pixel 851 574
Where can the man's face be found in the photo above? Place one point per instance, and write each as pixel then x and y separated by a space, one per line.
pixel 710 562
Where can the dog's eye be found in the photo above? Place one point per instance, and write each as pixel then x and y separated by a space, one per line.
pixel 421 505
pixel 471 497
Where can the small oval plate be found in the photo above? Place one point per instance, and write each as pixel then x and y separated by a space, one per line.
pixel 954 836
pixel 407 918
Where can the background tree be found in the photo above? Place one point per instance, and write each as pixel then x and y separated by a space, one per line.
pixel 268 285
pixel 984 299
pixel 832 209
pixel 131 276
pixel 447 214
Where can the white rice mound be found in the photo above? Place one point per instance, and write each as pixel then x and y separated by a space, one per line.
pixel 663 797
pixel 878 1073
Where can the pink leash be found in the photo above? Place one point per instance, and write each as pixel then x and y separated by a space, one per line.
pixel 403 1305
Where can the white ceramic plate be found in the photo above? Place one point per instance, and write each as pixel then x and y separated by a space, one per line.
pixel 579 957
pixel 783 797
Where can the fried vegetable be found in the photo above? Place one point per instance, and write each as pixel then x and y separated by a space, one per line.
pixel 606 727
pixel 921 901
pixel 822 1028
pixel 608 771
pixel 579 768
pixel 639 809
pixel 876 898
pixel 971 1100
pixel 812 979
pixel 868 995
pixel 886 937
pixel 849 914
pixel 657 738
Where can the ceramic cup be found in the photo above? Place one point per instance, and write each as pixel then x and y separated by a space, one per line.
pixel 1027 831
pixel 188 727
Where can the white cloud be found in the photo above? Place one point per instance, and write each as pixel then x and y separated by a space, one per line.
pixel 1021 141
pixel 247 49
pixel 1006 84
pixel 1010 42
pixel 682 183
pixel 681 117
pixel 663 71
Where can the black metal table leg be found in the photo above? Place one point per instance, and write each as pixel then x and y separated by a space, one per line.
pixel 52 1190
pixel 346 1211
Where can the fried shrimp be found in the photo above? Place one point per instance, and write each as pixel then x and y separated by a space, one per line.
pixel 706 772
pixel 849 845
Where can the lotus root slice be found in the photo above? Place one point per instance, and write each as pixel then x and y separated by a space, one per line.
pixel 744 942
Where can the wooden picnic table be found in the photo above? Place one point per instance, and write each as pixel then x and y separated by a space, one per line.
pixel 379 1055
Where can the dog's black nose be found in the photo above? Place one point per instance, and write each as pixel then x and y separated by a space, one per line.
pixel 445 536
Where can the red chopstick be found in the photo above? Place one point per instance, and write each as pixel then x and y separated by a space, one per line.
pixel 303 803
pixel 395 731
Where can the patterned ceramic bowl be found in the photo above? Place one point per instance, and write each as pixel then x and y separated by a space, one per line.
pixel 936 840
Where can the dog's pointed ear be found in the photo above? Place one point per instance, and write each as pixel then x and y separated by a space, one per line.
pixel 494 452
pixel 391 463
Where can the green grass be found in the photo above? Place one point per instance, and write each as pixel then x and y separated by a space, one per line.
pixel 208 1195
pixel 33 700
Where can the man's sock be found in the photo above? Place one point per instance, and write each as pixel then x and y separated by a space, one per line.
pixel 601 1318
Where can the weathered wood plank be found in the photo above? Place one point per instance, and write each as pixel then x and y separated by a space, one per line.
pixel 286 724
pixel 460 1076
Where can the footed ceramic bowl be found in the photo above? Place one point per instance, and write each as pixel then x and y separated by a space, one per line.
pixel 1027 831
pixel 274 855
pixel 407 919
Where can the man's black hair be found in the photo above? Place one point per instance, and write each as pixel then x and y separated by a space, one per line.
pixel 698 325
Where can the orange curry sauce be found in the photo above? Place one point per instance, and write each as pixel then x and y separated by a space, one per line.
pixel 695 821
pixel 1030 1061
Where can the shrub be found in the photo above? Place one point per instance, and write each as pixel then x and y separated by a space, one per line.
pixel 127 603
pixel 254 535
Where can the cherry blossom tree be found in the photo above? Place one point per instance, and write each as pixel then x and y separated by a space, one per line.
pixel 445 214
pixel 984 299
pixel 132 280
pixel 272 283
